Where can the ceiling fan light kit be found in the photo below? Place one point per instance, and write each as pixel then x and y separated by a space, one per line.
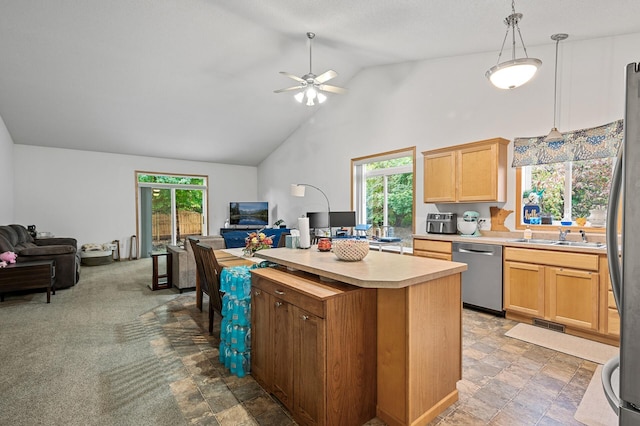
pixel 311 86
pixel 517 71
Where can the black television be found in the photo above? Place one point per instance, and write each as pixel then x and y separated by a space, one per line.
pixel 249 213
pixel 318 219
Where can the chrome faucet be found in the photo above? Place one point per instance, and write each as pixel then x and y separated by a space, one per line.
pixel 584 236
pixel 563 234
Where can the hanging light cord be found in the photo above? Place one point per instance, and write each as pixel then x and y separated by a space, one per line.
pixel 555 85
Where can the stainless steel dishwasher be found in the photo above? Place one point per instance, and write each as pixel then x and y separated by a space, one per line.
pixel 482 281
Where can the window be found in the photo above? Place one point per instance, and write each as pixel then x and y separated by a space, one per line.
pixel 568 178
pixel 171 208
pixel 567 190
pixel 383 192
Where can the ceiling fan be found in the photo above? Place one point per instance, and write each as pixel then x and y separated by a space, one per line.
pixel 311 86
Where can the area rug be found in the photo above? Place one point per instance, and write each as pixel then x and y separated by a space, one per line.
pixel 594 409
pixel 572 345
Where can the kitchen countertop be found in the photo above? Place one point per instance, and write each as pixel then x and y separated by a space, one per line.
pixel 377 270
pixel 507 241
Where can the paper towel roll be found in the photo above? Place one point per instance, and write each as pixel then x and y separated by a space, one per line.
pixel 305 237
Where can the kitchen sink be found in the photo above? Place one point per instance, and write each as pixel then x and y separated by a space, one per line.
pixel 579 244
pixel 533 241
pixel 560 243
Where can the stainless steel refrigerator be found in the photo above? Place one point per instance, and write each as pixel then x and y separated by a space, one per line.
pixel 621 375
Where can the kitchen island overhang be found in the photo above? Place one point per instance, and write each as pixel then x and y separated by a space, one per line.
pixel 418 325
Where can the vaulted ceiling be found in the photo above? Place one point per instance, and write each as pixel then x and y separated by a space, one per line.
pixel 194 79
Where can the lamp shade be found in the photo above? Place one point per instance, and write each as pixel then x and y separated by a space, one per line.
pixel 513 73
pixel 554 136
pixel 297 190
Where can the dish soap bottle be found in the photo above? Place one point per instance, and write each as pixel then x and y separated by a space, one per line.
pixel 528 233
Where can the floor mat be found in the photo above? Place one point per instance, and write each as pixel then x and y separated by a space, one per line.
pixel 572 345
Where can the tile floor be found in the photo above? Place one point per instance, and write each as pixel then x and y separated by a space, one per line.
pixel 505 381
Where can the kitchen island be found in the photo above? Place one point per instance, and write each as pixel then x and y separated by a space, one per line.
pixel 410 306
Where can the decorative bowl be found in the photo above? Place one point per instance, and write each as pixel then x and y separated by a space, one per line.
pixel 350 250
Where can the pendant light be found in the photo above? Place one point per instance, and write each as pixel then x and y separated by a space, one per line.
pixel 515 72
pixel 554 135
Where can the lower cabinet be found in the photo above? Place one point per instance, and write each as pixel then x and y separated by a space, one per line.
pixel 432 249
pixel 565 295
pixel 524 288
pixel 573 297
pixel 314 347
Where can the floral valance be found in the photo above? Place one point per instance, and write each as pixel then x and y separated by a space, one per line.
pixel 585 144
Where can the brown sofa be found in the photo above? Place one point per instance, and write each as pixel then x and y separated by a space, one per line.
pixel 64 251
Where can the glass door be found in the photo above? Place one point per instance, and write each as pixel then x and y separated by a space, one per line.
pixel 171 208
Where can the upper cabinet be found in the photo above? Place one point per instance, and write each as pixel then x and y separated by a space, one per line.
pixel 473 172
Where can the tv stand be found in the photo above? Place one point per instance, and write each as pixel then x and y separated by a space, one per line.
pixel 234 237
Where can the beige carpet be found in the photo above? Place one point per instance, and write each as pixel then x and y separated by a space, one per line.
pixel 594 410
pixel 572 345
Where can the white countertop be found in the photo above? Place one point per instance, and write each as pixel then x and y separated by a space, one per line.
pixel 377 270
pixel 508 241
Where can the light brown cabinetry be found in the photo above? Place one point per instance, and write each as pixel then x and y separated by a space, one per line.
pixel 560 287
pixel 473 172
pixel 432 249
pixel 305 333
pixel 524 288
pixel 610 316
pixel 573 297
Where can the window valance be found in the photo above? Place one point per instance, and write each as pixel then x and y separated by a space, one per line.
pixel 585 144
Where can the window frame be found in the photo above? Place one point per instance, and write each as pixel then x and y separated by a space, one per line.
pixel 521 226
pixel 172 187
pixel 356 179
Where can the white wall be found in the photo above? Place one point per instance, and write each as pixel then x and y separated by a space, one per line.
pixel 436 103
pixel 6 175
pixel 91 196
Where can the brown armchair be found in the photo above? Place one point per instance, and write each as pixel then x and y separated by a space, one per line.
pixel 64 251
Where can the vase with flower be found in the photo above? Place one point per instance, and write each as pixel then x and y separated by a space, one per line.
pixel 256 241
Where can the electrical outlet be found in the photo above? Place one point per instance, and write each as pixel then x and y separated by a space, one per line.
pixel 484 223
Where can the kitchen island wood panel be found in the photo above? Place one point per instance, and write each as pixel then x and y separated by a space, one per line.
pixel 419 356
pixel 417 324
pixel 321 365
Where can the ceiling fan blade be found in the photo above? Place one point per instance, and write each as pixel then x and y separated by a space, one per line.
pixel 295 77
pixel 332 89
pixel 326 76
pixel 288 89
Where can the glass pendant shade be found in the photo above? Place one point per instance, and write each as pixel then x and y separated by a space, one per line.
pixel 514 73
pixel 554 136
pixel 517 71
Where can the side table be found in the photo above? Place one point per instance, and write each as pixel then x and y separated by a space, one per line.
pixel 28 276
pixel 157 284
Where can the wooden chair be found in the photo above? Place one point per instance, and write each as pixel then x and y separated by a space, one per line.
pixel 192 241
pixel 202 277
pixel 212 271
